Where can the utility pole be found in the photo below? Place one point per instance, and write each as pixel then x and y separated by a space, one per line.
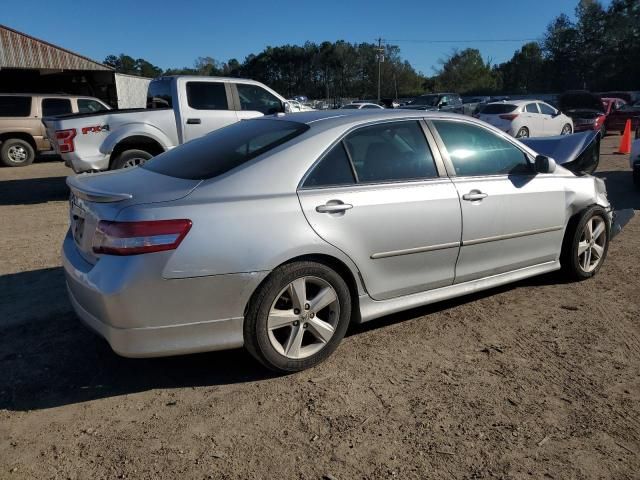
pixel 380 56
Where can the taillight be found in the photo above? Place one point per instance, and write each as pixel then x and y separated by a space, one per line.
pixel 65 140
pixel 510 116
pixel 133 238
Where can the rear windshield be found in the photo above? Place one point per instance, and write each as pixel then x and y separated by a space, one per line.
pixel 225 149
pixel 497 108
pixel 15 106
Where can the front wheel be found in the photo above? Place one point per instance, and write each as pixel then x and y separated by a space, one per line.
pixel 566 129
pixel 586 244
pixel 130 159
pixel 298 317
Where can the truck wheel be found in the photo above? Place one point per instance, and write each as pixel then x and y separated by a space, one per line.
pixel 130 158
pixel 17 153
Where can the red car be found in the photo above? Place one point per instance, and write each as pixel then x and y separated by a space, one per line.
pixel 617 119
pixel 585 109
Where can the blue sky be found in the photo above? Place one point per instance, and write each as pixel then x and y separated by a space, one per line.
pixel 172 34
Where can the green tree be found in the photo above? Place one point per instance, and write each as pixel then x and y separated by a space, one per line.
pixel 466 72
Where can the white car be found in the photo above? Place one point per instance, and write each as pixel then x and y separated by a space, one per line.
pixel 360 106
pixel 296 106
pixel 526 118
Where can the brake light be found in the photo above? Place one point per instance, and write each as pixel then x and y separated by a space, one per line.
pixel 133 238
pixel 65 140
pixel 510 116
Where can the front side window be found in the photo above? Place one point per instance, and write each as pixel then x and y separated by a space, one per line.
pixel 86 105
pixel 255 98
pixel 207 96
pixel 11 106
pixel 390 152
pixel 55 106
pixel 532 108
pixel 546 109
pixel 475 151
pixel 333 170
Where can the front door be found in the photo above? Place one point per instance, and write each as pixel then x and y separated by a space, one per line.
pixel 511 217
pixel 255 101
pixel 377 196
pixel 207 108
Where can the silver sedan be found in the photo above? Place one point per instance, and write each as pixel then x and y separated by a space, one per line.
pixel 277 233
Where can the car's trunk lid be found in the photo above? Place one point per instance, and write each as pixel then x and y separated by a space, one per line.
pixel 101 196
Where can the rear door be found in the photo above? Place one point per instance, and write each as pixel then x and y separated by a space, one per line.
pixel 512 218
pixel 533 120
pixel 379 196
pixel 206 107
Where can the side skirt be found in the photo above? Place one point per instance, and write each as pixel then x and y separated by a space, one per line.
pixel 371 309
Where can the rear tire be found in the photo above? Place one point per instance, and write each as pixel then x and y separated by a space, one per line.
pixel 130 158
pixel 566 129
pixel 282 328
pixel 523 133
pixel 16 153
pixel 583 254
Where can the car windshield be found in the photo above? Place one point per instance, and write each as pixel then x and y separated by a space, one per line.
pixel 498 108
pixel 581 101
pixel 429 100
pixel 224 149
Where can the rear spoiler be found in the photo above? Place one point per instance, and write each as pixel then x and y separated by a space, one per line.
pixel 579 152
pixel 92 194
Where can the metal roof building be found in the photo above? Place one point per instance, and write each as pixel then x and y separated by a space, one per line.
pixel 28 64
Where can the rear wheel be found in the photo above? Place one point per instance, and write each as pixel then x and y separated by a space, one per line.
pixel 566 129
pixel 298 317
pixel 523 133
pixel 16 153
pixel 586 244
pixel 130 158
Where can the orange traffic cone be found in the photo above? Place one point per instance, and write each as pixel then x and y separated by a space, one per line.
pixel 625 141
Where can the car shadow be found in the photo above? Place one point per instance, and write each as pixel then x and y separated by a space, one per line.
pixel 33 190
pixel 621 191
pixel 50 359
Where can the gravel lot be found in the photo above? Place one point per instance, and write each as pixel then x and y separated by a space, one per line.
pixel 539 379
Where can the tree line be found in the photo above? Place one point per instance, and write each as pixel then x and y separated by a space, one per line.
pixel 599 50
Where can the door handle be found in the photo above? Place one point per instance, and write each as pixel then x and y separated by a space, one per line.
pixel 193 121
pixel 474 195
pixel 334 207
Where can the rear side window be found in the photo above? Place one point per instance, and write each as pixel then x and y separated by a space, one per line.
pixel 334 169
pixel 498 108
pixel 159 94
pixel 207 96
pixel 531 108
pixel 224 149
pixel 55 106
pixel 86 105
pixel 11 106
pixel 476 151
pixel 256 98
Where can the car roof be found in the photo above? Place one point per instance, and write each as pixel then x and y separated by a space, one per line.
pixel 49 95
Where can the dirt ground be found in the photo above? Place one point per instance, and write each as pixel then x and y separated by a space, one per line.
pixel 540 379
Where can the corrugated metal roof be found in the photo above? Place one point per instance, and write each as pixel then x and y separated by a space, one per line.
pixel 19 50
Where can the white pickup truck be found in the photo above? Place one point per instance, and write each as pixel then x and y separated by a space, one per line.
pixel 179 109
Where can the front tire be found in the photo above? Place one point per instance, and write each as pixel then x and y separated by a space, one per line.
pixel 130 159
pixel 17 153
pixel 586 244
pixel 297 317
pixel 523 133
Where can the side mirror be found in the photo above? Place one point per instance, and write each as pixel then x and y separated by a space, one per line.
pixel 545 164
pixel 286 107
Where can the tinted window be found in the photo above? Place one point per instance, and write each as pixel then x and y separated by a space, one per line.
pixel 546 109
pixel 253 97
pixel 55 106
pixel 350 106
pixel 370 106
pixel 429 100
pixel 333 169
pixel 476 151
pixel 390 152
pixel 159 94
pixel 15 106
pixel 86 105
pixel 224 149
pixel 531 108
pixel 207 96
pixel 498 108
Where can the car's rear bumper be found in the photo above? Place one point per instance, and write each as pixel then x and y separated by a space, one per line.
pixel 141 314
pixel 82 164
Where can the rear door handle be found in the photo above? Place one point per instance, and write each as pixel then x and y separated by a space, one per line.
pixel 193 121
pixel 331 207
pixel 474 195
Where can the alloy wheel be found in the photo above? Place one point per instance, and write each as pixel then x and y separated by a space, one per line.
pixel 303 318
pixel 522 133
pixel 566 130
pixel 592 244
pixel 17 153
pixel 133 162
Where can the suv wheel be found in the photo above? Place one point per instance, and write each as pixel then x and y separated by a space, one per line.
pixel 16 153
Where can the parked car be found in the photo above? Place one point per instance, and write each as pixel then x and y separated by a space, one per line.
pixel 296 106
pixel 180 108
pixel 446 102
pixel 617 120
pixel 22 134
pixel 361 105
pixel 352 217
pixel 610 105
pixel 526 118
pixel 470 104
pixel 584 108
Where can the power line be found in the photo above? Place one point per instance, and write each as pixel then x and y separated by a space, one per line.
pixel 481 40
